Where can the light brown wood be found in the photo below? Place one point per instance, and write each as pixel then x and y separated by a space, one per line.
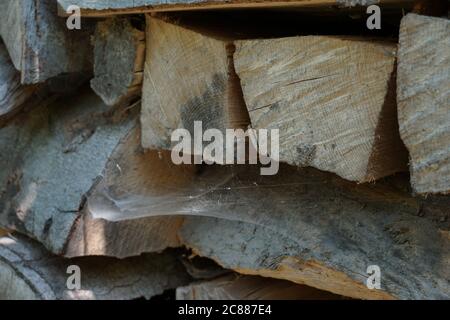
pixel 3 232
pixel 13 95
pixel 301 225
pixel 332 98
pixel 39 43
pixel 189 76
pixel 238 287
pixel 29 272
pixel 84 140
pixel 423 100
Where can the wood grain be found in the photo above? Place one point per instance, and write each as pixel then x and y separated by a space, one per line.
pixel 29 272
pixel 423 100
pixel 100 8
pixel 39 43
pixel 332 98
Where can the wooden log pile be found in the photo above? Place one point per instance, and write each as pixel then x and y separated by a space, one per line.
pixel 93 205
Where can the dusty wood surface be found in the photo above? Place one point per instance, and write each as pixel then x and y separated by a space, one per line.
pixel 39 43
pixel 28 271
pixel 333 100
pixel 423 100
pixel 119 54
pixel 51 157
pixel 129 169
pixel 188 76
pixel 237 287
pixel 106 7
pixel 3 232
pixel 302 225
pixel 83 140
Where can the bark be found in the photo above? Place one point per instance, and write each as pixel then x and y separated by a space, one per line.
pixel 39 42
pixel 119 54
pixel 29 272
pixel 238 287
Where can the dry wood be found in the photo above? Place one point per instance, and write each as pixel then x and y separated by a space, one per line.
pixel 302 225
pixel 100 8
pixel 39 43
pixel 423 100
pixel 321 231
pixel 189 76
pixel 129 169
pixel 58 156
pixel 333 100
pixel 28 271
pixel 119 53
pixel 238 287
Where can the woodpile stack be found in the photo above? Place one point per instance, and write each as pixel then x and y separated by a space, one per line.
pixel 93 206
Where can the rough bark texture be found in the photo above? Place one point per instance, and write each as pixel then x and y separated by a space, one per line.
pixel 423 100
pixel 28 271
pixel 62 154
pixel 237 287
pixel 39 43
pixel 13 95
pixel 302 225
pixel 188 77
pixel 107 7
pixel 51 157
pixel 119 53
pixel 333 100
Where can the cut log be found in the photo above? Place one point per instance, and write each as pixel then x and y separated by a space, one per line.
pixel 52 158
pixel 129 170
pixel 423 100
pixel 238 287
pixel 13 94
pixel 39 42
pixel 188 77
pixel 119 54
pixel 98 8
pixel 332 98
pixel 29 272
pixel 301 225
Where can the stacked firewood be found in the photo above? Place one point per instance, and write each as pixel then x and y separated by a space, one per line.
pixel 89 188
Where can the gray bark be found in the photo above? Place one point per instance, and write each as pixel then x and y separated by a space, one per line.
pixel 39 42
pixel 119 53
pixel 238 287
pixel 28 271
pixel 423 100
pixel 108 7
pixel 13 95
pixel 301 225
